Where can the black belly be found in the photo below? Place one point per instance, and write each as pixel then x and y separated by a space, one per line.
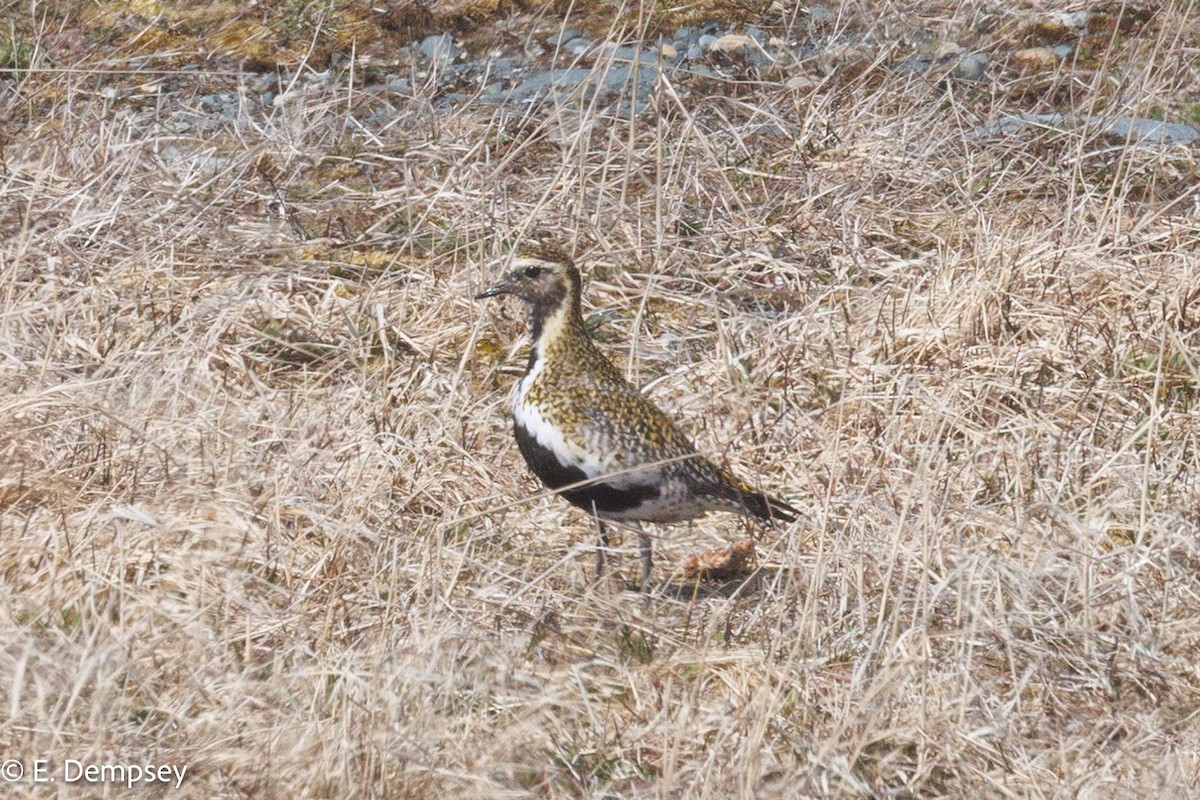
pixel 602 498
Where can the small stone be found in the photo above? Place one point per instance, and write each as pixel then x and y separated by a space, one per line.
pixel 705 42
pixel 502 68
pixel 1035 57
pixel 800 83
pixel 1075 19
pixel 852 58
pixel 440 48
pixel 618 52
pixel 671 342
pixel 947 49
pixel 626 110
pixel 731 43
pixel 399 85
pixel 685 37
pixel 972 67
pixel 820 15
pixel 213 102
pixel 552 80
pixel 695 52
pixel 565 35
pixel 915 64
pixel 805 51
pixel 578 47
pixel 668 52
pixel 1140 129
pixel 1052 29
pixel 1064 50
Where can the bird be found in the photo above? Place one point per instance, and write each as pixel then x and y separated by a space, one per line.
pixel 590 436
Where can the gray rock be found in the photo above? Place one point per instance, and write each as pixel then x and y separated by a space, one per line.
pixel 821 15
pixel 267 99
pixel 399 85
pixel 565 81
pixel 1064 50
pixel 773 131
pixel 673 343
pixel 695 52
pixel 800 83
pixel 706 42
pixel 440 48
pixel 806 51
pixel 216 102
pixel 1142 130
pixel 686 36
pixel 915 64
pixel 322 79
pixel 578 47
pixel 565 35
pixel 972 67
pixel 626 110
pixel 759 57
pixel 502 68
pixel 1075 19
pixel 615 79
pixel 453 99
pixel 554 79
pixel 618 52
pixel 1135 130
pixel 629 54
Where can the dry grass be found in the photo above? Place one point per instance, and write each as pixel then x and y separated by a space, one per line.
pixel 260 512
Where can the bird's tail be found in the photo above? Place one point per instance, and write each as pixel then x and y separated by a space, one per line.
pixel 762 505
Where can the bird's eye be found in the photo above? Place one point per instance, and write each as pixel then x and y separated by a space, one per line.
pixel 532 272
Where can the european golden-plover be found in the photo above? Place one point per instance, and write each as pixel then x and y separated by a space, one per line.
pixel 593 438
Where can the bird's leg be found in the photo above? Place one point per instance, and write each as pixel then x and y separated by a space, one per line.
pixel 601 548
pixel 644 545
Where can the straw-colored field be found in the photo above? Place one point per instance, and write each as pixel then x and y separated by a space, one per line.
pixel 261 514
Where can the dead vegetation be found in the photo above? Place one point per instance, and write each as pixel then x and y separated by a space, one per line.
pixel 260 512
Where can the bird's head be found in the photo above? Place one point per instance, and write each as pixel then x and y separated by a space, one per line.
pixel 543 276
